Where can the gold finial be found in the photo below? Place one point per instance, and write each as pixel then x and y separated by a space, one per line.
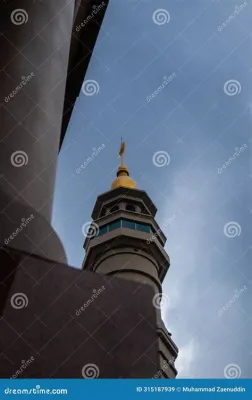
pixel 121 151
pixel 123 178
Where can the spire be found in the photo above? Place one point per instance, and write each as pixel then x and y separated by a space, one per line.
pixel 123 178
pixel 122 150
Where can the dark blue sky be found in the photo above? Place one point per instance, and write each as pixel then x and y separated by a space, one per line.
pixel 198 120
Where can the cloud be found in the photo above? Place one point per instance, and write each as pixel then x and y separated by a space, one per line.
pixel 184 363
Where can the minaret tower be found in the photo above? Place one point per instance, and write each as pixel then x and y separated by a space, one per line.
pixel 127 242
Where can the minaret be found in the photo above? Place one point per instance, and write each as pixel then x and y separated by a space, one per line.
pixel 125 241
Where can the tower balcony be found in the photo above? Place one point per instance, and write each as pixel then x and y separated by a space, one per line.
pixel 123 251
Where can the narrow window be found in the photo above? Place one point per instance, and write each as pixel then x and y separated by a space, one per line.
pixel 114 225
pixel 126 223
pixel 130 207
pixel 143 227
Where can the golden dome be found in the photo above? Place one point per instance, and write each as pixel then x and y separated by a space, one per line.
pixel 123 179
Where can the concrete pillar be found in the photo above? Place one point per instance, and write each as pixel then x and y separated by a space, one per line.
pixel 34 58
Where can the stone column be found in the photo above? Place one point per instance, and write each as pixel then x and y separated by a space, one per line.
pixel 35 45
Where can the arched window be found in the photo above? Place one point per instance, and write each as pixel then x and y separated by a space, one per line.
pixel 103 212
pixel 114 209
pixel 144 211
pixel 130 207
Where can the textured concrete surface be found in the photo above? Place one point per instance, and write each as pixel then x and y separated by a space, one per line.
pixel 57 320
